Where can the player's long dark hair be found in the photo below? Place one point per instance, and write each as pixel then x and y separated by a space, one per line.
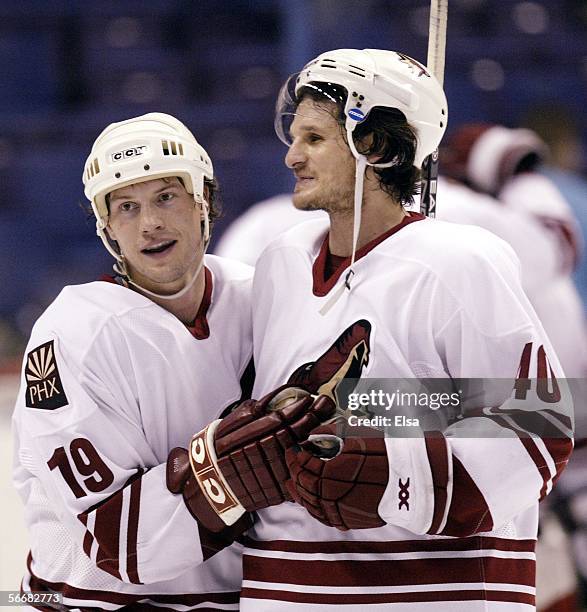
pixel 391 138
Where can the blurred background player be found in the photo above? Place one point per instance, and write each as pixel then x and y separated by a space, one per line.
pixel 247 236
pixel 493 160
pixel 117 372
pixel 381 292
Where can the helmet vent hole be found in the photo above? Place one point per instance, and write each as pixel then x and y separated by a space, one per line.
pixel 117 175
pixel 96 166
pixel 170 147
pixel 357 73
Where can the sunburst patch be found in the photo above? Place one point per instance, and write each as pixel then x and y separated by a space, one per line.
pixel 44 388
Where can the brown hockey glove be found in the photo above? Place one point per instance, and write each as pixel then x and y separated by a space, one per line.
pixel 239 461
pixel 180 479
pixel 344 491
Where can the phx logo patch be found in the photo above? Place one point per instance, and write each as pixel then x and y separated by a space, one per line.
pixel 44 388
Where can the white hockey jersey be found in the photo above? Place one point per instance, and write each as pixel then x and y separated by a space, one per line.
pixel 110 384
pixel 428 299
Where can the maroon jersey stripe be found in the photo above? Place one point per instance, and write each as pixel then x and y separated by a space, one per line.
pixel 107 534
pixel 440 544
pixel 132 533
pixel 373 598
pixel 437 452
pixel 348 573
pixel 468 513
pixel 123 599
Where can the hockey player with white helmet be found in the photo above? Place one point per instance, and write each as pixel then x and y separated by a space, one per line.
pixel 440 520
pixel 120 373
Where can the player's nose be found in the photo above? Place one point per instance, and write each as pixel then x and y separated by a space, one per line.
pixel 295 155
pixel 151 219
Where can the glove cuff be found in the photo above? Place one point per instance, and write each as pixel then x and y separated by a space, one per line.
pixel 214 486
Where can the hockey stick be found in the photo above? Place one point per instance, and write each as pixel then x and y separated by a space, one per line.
pixel 435 64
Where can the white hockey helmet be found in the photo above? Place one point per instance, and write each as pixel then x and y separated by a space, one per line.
pixel 372 78
pixel 140 149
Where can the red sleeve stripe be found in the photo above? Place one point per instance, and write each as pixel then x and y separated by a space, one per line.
pixel 112 532
pixel 563 418
pixel 88 537
pixel 558 449
pixel 436 449
pixel 107 533
pixel 133 529
pixel 468 513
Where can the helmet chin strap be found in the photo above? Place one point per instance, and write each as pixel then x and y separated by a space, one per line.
pixel 120 266
pixel 361 164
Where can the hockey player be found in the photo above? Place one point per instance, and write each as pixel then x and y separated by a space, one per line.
pixel 442 520
pixel 501 162
pixel 118 373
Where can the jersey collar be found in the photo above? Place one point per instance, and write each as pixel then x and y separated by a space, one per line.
pixel 199 328
pixel 322 285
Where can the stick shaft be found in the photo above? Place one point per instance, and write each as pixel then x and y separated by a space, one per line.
pixel 435 64
pixel 437 38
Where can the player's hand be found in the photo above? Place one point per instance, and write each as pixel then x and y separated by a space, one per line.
pixel 238 463
pixel 343 492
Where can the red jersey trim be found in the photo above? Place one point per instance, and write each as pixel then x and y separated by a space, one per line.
pixel 322 285
pixel 386 598
pixel 200 329
pixel 72 596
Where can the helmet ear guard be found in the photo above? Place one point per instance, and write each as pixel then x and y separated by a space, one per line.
pixel 205 216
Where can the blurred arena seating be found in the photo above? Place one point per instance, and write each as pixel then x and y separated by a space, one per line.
pixel 69 68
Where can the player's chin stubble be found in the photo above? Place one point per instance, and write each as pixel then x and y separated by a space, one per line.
pixel 336 201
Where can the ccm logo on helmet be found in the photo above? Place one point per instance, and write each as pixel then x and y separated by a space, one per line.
pixel 130 152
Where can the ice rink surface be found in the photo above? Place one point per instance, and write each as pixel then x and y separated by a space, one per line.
pixel 13 536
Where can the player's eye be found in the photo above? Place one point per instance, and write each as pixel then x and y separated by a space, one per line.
pixel 314 137
pixel 166 196
pixel 127 206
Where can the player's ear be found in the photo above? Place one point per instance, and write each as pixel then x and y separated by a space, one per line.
pixel 364 146
pixel 110 233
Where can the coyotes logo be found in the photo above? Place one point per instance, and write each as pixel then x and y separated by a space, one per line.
pixel 346 358
pixel 44 388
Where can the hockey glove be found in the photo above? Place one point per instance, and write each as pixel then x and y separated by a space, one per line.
pixel 345 491
pixel 238 463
